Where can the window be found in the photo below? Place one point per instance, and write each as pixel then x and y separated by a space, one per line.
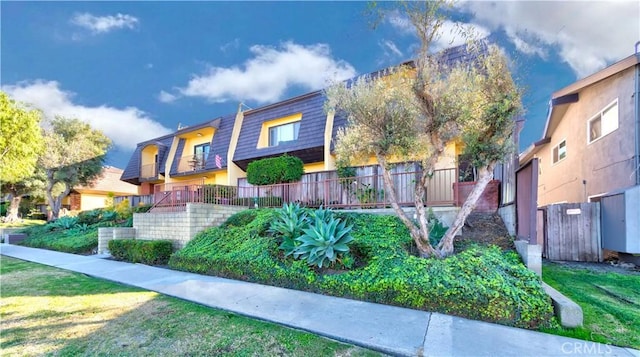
pixel 603 123
pixel 200 153
pixel 283 133
pixel 560 151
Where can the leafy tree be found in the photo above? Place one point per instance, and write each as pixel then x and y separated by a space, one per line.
pixel 20 145
pixel 411 114
pixel 74 155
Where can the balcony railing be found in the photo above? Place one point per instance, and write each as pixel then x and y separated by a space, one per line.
pixel 192 163
pixel 354 192
pixel 149 172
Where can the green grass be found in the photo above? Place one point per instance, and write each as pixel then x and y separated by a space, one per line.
pixel 610 303
pixel 50 311
pixel 23 223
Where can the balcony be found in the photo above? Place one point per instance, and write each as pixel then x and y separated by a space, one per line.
pixel 192 163
pixel 149 172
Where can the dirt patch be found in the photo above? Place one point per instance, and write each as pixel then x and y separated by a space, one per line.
pixel 610 266
pixel 486 229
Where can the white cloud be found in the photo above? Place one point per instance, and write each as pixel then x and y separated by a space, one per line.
pixel 266 77
pixel 104 24
pixel 587 35
pixel 453 34
pixel 125 127
pixel 232 45
pixel 390 48
pixel 166 97
pixel 450 33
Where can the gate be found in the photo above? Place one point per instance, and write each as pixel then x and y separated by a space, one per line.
pixel 572 232
pixel 527 201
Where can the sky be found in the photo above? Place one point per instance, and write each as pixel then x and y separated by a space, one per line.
pixel 138 70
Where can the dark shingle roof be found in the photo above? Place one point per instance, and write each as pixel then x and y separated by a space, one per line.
pixel 310 136
pixel 131 173
pixel 220 142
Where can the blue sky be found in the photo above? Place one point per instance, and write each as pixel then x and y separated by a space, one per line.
pixel 137 69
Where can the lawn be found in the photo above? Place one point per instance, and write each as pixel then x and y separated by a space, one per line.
pixel 46 310
pixel 610 302
pixel 22 223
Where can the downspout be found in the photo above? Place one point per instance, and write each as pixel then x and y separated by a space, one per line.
pixel 637 113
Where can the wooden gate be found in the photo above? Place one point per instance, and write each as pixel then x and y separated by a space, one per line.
pixel 572 232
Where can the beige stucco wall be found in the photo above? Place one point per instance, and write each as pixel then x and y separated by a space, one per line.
pixel 590 169
pixel 89 201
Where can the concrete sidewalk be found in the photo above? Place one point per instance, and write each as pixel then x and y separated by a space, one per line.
pixel 390 329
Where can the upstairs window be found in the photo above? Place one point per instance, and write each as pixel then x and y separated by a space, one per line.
pixel 603 123
pixel 560 151
pixel 200 153
pixel 283 133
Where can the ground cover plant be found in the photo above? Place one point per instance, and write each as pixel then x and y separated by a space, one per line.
pixel 46 311
pixel 610 303
pixel 481 283
pixel 77 234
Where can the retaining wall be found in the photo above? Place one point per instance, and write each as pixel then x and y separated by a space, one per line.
pixel 179 227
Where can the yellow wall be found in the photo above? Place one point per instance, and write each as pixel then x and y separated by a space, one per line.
pixel 148 155
pixel 314 167
pixel 89 201
pixel 192 139
pixel 329 160
pixel 263 141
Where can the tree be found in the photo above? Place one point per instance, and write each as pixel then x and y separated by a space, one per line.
pixel 74 155
pixel 411 114
pixel 20 145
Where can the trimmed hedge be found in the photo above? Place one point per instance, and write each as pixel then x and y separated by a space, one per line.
pixel 152 252
pixel 482 283
pixel 275 170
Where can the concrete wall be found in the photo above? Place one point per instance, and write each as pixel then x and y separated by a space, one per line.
pixel 531 255
pixel 107 234
pixel 508 214
pixel 181 227
pixel 591 169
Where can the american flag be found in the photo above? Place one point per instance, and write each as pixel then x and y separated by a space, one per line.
pixel 218 161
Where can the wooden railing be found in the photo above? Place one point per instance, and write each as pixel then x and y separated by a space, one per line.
pixel 354 192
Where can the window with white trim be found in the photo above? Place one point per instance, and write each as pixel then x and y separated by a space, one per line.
pixel 603 123
pixel 560 151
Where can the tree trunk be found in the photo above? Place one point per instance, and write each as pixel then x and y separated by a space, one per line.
pixel 14 206
pixel 422 242
pixel 55 202
pixel 445 247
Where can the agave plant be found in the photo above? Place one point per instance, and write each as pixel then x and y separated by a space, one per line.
pixel 323 241
pixel 289 224
pixel 324 214
pixel 66 222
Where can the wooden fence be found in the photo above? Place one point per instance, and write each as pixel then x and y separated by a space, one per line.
pixel 571 232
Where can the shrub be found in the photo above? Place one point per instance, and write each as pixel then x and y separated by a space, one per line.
pixel 480 283
pixel 90 217
pixel 240 219
pixel 275 170
pixel 123 209
pixel 153 252
pixel 142 208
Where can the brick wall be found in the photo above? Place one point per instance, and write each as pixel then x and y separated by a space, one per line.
pixel 106 234
pixel 488 201
pixel 181 227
